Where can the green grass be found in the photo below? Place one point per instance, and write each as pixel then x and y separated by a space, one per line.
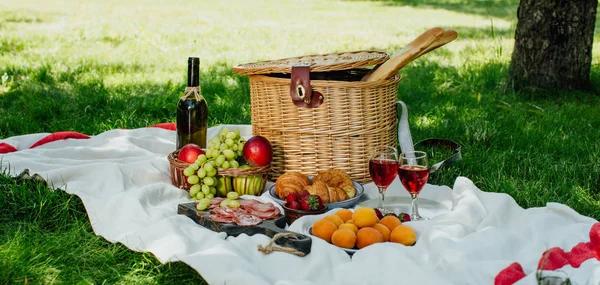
pixel 100 65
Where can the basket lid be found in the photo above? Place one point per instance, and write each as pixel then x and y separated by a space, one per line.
pixel 318 62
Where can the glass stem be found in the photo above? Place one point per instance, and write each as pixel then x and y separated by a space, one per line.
pixel 415 207
pixel 381 202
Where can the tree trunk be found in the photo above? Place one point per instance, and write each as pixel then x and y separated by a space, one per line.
pixel 553 44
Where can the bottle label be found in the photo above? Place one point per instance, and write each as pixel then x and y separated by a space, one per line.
pixel 192 91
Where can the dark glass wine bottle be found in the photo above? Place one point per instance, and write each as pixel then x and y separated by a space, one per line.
pixel 192 110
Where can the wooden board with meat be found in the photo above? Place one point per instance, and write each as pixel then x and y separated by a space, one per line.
pixel 252 217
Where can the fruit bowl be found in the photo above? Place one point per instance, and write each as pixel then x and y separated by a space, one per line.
pixel 341 204
pixel 291 214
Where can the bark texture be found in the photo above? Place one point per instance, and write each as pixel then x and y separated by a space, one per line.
pixel 553 44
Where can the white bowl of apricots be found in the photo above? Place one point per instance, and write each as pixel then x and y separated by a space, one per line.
pixel 361 228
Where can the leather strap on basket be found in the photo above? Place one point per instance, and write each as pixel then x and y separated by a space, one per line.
pixel 300 90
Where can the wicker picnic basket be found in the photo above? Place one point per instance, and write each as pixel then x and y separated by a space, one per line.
pixel 334 126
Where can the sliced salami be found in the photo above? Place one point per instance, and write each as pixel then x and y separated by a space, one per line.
pixel 263 207
pixel 242 219
pixel 216 200
pixel 220 219
pixel 225 212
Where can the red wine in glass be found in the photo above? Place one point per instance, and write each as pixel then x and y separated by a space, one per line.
pixel 413 177
pixel 413 173
pixel 383 171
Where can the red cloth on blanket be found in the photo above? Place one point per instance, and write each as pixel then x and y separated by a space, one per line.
pixel 59 136
pixel 555 258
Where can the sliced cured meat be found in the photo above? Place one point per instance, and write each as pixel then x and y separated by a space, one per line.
pixel 242 219
pixel 216 200
pixel 225 211
pixel 245 203
pixel 263 207
pixel 219 219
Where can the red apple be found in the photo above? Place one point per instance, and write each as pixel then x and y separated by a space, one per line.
pixel 189 153
pixel 258 151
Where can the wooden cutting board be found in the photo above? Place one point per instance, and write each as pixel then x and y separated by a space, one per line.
pixel 269 228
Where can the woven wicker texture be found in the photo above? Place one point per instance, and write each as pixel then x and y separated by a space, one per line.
pixel 319 63
pixel 354 118
pixel 178 179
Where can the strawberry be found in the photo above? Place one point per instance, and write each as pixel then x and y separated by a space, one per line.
pixel 291 197
pixel 404 217
pixel 379 214
pixel 303 194
pixel 311 203
pixel 293 205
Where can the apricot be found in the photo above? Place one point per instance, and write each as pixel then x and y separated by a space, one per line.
pixel 403 234
pixel 367 236
pixel 349 222
pixel 345 214
pixel 345 238
pixel 365 217
pixel 385 232
pixel 335 219
pixel 324 229
pixel 352 227
pixel 390 222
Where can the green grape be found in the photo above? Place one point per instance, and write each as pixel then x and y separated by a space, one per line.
pixel 235 147
pixel 208 153
pixel 205 189
pixel 219 160
pixel 193 179
pixel 233 203
pixel 201 173
pixel 237 133
pixel 194 190
pixel 194 166
pixel 211 173
pixel 224 131
pixel 229 154
pixel 202 204
pixel 200 195
pixel 240 146
pixel 210 196
pixel 223 147
pixel 215 153
pixel 215 140
pixel 229 142
pixel 209 166
pixel 201 158
pixel 205 200
pixel 216 146
pixel 188 171
pixel 230 135
pixel 225 203
pixel 234 164
pixel 232 195
pixel 225 164
pixel 213 190
pixel 208 181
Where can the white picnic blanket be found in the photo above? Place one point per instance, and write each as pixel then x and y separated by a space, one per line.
pixel 122 177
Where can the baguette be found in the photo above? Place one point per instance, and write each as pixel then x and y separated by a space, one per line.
pixel 404 56
pixel 448 36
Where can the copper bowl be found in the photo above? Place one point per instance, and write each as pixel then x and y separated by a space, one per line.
pixel 291 214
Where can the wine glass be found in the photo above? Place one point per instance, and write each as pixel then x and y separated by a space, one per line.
pixel 383 166
pixel 413 173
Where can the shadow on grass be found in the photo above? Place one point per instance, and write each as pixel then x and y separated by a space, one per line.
pixel 505 9
pixel 42 100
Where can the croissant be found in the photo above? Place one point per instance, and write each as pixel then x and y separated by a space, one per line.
pixel 328 194
pixel 337 178
pixel 290 182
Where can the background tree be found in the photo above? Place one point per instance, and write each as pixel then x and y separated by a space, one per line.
pixel 553 44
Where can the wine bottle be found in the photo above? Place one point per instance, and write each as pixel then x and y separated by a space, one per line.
pixel 192 110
